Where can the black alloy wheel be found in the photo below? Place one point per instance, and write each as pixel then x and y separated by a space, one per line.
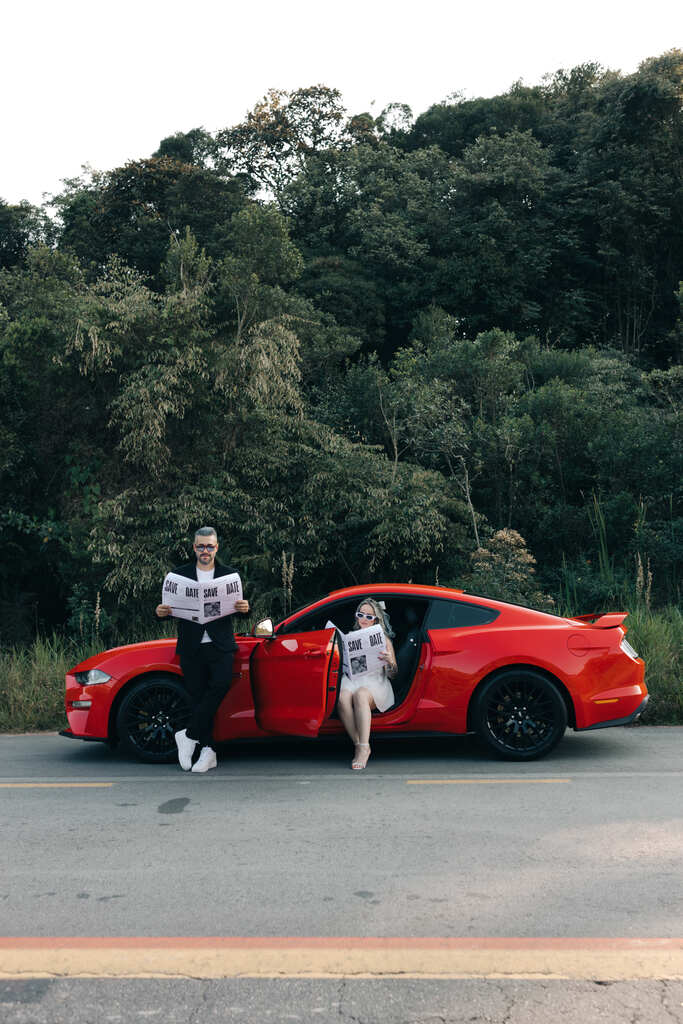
pixel 150 714
pixel 520 714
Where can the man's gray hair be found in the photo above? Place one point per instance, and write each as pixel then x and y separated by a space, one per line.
pixel 205 531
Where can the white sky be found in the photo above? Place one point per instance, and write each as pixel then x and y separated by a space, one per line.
pixel 84 82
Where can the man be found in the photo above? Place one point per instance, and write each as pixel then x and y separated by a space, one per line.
pixel 206 656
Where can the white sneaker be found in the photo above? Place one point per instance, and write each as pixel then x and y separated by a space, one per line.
pixel 185 749
pixel 207 759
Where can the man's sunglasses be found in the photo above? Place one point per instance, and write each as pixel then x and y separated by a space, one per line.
pixel 362 615
pixel 205 547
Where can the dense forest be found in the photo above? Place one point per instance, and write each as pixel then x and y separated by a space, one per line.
pixel 435 348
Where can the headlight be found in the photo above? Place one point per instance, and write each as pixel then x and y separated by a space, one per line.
pixel 91 677
pixel 625 646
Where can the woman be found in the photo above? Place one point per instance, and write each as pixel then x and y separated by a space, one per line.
pixel 358 699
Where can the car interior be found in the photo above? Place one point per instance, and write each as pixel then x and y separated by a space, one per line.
pixel 406 618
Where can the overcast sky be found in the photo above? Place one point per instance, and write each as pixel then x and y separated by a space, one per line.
pixel 85 82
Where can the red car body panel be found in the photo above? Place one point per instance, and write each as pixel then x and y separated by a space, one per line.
pixel 288 683
pixel 296 686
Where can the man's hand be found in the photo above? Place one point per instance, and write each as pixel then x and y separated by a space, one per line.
pixel 163 610
pixel 242 607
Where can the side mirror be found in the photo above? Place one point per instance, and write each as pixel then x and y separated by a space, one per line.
pixel 264 628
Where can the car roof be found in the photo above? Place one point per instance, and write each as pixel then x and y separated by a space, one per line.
pixel 428 591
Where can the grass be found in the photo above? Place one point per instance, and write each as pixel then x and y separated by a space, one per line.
pixel 658 638
pixel 32 684
pixel 32 677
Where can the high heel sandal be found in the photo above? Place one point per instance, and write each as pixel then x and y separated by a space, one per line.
pixel 359 760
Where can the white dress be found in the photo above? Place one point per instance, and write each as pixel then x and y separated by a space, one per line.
pixel 377 683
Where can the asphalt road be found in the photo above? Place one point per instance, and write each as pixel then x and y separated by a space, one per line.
pixel 435 839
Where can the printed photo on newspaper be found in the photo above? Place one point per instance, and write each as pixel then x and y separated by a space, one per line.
pixel 361 649
pixel 201 602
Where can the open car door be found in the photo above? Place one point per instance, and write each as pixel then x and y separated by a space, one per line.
pixel 294 681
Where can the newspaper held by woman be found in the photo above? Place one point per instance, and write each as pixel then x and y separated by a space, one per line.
pixel 361 649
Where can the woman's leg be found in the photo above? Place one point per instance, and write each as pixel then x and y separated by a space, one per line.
pixel 345 709
pixel 363 703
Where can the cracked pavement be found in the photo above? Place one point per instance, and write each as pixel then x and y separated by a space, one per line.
pixel 328 1001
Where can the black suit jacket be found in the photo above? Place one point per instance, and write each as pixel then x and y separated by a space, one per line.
pixel 190 633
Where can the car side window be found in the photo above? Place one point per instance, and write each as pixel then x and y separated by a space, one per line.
pixel 444 614
pixel 340 613
pixel 405 613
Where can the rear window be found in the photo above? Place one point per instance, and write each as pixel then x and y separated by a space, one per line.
pixel 445 614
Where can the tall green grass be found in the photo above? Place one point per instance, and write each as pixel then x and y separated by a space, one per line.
pixel 658 638
pixel 32 683
pixel 32 677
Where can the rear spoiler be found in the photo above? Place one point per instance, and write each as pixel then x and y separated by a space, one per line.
pixel 601 621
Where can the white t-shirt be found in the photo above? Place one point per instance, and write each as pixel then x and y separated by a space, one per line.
pixel 203 576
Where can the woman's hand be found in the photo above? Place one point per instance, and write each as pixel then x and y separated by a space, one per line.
pixel 242 607
pixel 392 667
pixel 163 610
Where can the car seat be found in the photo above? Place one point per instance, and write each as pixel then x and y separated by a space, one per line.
pixel 407 654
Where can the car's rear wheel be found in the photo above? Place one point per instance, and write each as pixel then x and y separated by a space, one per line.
pixel 149 715
pixel 520 714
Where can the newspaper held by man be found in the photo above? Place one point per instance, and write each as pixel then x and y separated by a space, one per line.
pixel 201 602
pixel 361 649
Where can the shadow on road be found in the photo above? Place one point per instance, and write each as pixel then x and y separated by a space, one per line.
pixel 432 753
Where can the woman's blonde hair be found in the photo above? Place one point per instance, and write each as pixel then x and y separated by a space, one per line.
pixel 380 614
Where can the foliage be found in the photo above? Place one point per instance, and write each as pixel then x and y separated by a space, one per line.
pixel 272 143
pixel 658 638
pixel 32 684
pixel 386 347
pixel 130 212
pixel 504 569
pixel 21 227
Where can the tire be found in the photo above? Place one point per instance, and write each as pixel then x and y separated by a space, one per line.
pixel 149 715
pixel 520 714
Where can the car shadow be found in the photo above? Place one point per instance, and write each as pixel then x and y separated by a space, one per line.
pixel 430 753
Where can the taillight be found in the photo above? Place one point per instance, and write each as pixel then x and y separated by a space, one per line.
pixel 627 649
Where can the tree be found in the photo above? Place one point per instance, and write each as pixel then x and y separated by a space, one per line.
pixel 628 199
pixel 131 211
pixel 21 227
pixel 49 424
pixel 263 260
pixel 271 145
pixel 504 569
pixel 455 126
pixel 193 147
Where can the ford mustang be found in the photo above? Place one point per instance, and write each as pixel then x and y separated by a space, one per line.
pixel 515 676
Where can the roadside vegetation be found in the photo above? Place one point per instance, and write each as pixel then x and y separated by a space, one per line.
pixel 440 348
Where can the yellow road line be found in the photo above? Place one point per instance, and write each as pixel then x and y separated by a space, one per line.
pixel 55 785
pixel 609 960
pixel 483 782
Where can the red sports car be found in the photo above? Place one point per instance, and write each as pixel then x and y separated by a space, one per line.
pixel 515 676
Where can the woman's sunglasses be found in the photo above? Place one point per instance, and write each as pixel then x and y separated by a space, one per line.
pixel 362 615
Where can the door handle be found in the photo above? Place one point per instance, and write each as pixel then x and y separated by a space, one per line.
pixel 313 654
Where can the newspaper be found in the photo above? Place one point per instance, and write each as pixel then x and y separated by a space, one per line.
pixel 201 602
pixel 361 649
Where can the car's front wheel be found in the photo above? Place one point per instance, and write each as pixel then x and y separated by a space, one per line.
pixel 149 715
pixel 520 714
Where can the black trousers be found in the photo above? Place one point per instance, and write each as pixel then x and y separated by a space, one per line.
pixel 207 675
